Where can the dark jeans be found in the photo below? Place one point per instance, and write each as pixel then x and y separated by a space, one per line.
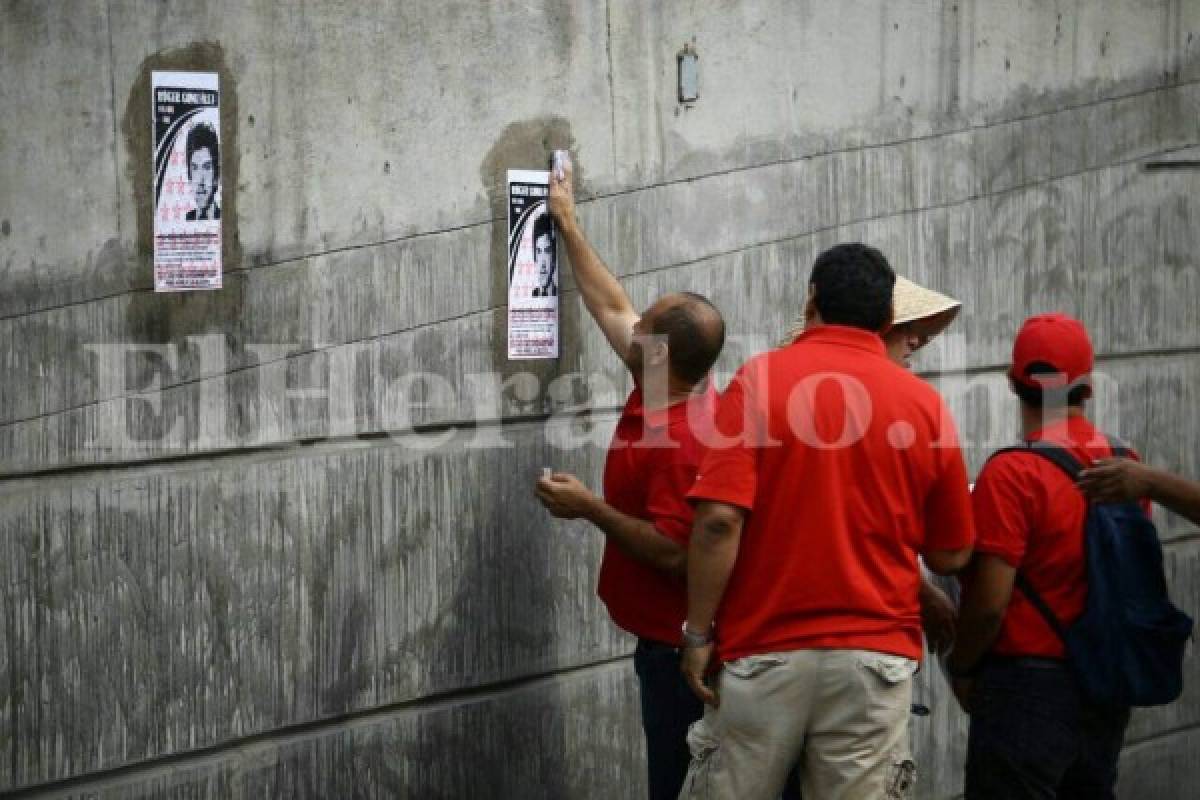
pixel 1033 735
pixel 668 708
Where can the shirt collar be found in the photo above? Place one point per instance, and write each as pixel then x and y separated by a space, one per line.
pixel 844 335
pixel 1072 427
pixel 700 401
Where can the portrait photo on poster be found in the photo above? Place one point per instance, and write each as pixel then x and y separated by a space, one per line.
pixel 187 180
pixel 533 274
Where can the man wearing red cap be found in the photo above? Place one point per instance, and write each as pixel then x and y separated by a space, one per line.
pixel 1032 732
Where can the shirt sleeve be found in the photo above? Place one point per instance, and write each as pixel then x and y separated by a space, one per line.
pixel 668 507
pixel 949 521
pixel 1003 504
pixel 729 469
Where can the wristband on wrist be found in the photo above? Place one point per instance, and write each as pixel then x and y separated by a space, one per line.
pixel 692 639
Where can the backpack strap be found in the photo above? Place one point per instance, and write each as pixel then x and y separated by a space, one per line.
pixel 1119 448
pixel 1062 459
pixel 1059 456
pixel 1031 594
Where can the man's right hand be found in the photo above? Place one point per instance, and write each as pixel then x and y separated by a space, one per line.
pixel 562 199
pixel 693 663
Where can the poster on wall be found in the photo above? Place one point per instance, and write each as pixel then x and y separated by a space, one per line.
pixel 187 181
pixel 532 268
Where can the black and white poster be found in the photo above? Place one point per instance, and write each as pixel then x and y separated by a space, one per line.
pixel 187 181
pixel 532 268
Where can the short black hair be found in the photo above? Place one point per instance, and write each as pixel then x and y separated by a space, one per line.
pixel 692 346
pixel 543 226
pixel 201 136
pixel 1049 396
pixel 854 284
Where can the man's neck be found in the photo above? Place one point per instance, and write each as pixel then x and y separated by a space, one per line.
pixel 660 394
pixel 1035 419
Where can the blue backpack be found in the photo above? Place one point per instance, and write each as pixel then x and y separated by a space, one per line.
pixel 1127 647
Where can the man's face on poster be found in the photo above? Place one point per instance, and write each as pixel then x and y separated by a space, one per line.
pixel 543 254
pixel 201 172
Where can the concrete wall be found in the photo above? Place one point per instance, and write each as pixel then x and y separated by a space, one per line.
pixel 247 560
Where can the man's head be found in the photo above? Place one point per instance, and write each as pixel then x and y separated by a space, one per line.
pixel 1052 362
pixel 851 284
pixel 543 250
pixel 688 334
pixel 918 315
pixel 203 164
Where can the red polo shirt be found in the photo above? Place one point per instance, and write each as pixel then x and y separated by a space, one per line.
pixel 849 466
pixel 651 464
pixel 1030 514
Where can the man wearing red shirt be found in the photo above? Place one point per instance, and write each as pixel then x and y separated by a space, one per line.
pixel 651 464
pixel 1032 733
pixel 830 470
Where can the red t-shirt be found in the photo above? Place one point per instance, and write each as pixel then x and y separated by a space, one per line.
pixel 1029 513
pixel 842 496
pixel 651 464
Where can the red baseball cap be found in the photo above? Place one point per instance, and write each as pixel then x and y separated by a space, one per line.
pixel 1054 339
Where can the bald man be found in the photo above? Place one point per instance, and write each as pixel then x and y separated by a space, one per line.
pixel 644 515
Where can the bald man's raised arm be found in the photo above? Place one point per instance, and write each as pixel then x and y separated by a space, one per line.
pixel 602 293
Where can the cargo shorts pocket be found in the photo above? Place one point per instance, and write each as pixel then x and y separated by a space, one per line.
pixel 891 669
pixel 703 747
pixel 902 778
pixel 749 667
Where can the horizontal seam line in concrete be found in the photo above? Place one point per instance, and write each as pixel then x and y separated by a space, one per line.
pixel 750 247
pixel 349 442
pixel 288 734
pixel 315 445
pixel 662 184
pixel 1151 739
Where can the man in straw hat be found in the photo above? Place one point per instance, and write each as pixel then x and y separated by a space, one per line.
pixel 838 468
pixel 918 315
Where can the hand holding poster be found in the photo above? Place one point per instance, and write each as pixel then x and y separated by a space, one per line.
pixel 187 181
pixel 532 268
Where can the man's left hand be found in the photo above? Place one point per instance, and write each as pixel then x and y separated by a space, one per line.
pixel 565 496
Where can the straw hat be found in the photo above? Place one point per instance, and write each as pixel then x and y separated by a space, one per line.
pixel 913 303
pixel 910 303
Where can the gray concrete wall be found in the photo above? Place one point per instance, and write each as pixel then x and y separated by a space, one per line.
pixel 246 560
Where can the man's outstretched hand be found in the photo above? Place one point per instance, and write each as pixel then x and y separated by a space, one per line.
pixel 1115 480
pixel 565 496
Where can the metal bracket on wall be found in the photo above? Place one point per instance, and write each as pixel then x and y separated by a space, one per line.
pixel 1156 166
pixel 689 74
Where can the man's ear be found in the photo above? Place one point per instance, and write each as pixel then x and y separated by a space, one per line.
pixel 810 304
pixel 891 317
pixel 661 353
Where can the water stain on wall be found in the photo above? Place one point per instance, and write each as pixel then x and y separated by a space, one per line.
pixel 525 145
pixel 136 133
pixel 170 318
